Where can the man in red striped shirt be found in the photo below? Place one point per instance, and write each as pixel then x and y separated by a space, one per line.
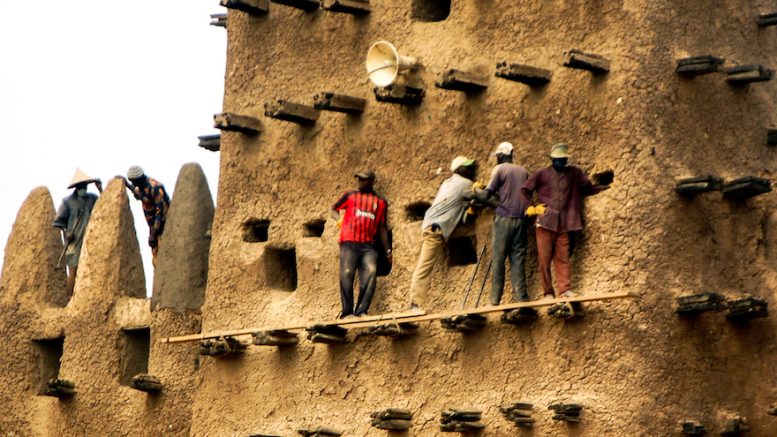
pixel 364 221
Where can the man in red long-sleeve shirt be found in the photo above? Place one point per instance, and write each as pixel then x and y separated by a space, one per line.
pixel 561 188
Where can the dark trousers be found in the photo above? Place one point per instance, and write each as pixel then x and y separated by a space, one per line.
pixel 364 258
pixel 509 240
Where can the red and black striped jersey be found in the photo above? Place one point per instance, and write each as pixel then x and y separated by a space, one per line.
pixel 364 213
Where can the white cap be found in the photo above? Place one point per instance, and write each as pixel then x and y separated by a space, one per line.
pixel 461 161
pixel 504 148
pixel 135 172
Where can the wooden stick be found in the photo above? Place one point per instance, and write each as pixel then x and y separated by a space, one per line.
pixel 407 317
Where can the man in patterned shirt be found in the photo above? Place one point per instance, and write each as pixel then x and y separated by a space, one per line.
pixel 153 196
pixel 364 220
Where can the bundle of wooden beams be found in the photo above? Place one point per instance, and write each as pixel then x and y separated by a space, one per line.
pixel 236 122
pixel 698 65
pixel 699 302
pixel 253 7
pixel 690 427
pixel 278 337
pixel 747 308
pixel 567 310
pixel 327 101
pixel 578 59
pixel 518 413
pixel 566 412
pixel 692 186
pixel 744 74
pixel 735 426
pixel 353 7
pixel 289 111
pixel 400 94
pixel 465 421
pixel 519 316
pixel 394 419
pixel 526 74
pixel 327 334
pixel 319 431
pixel 210 142
pixel 218 20
pixel 305 5
pixel 746 187
pixel 221 347
pixel 59 388
pixel 464 323
pixel 457 80
pixel 394 330
pixel 146 383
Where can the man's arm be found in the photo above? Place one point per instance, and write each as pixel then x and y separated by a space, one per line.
pixel 383 235
pixel 588 188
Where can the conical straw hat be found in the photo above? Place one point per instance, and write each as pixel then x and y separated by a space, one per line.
pixel 80 178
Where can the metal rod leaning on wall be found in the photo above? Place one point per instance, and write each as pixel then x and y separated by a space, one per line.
pixel 472 279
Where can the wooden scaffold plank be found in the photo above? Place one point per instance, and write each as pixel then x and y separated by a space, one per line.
pixel 406 317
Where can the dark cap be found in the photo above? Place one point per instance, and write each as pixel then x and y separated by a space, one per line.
pixel 366 174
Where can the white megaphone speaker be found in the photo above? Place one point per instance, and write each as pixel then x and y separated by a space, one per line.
pixel 384 63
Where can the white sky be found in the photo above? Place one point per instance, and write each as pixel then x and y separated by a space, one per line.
pixel 102 86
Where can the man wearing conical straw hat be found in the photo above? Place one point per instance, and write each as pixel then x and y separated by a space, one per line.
pixel 72 218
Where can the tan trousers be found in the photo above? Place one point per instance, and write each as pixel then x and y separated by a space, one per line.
pixel 422 275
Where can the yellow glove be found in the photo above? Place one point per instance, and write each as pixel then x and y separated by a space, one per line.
pixel 477 185
pixel 535 210
pixel 340 222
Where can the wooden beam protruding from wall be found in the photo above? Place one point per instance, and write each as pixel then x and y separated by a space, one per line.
pixel 458 80
pixel 289 111
pixel 327 101
pixel 252 7
pixel 532 76
pixel 237 123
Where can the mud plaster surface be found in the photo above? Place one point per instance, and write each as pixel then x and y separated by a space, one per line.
pixel 636 367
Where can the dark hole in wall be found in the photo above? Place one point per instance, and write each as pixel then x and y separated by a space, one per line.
pixel 48 358
pixel 430 10
pixel 280 268
pixel 256 230
pixel 461 251
pixel 134 346
pixel 313 228
pixel 415 211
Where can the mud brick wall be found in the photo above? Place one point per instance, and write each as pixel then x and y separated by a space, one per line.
pixel 635 366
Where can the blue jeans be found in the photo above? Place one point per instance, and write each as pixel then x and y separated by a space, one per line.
pixel 364 258
pixel 509 241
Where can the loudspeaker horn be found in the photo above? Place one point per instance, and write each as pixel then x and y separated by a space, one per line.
pixel 384 63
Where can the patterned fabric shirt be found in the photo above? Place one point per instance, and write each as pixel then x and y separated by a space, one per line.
pixel 155 203
pixel 562 192
pixel 364 214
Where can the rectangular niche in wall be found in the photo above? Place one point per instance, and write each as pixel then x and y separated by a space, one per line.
pixel 461 251
pixel 313 228
pixel 280 268
pixel 430 10
pixel 134 347
pixel 415 211
pixel 48 356
pixel 256 230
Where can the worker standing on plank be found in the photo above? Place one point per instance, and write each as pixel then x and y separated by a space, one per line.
pixel 509 232
pixel 365 219
pixel 155 201
pixel 72 218
pixel 446 214
pixel 560 189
